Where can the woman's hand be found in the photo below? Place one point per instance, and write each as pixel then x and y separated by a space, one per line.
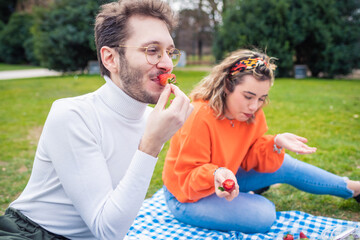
pixel 293 143
pixel 220 176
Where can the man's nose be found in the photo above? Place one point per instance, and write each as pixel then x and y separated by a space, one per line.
pixel 165 63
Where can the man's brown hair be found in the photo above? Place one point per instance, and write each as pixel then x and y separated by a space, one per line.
pixel 111 22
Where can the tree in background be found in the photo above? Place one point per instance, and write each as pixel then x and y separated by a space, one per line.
pixel 197 21
pixel 28 5
pixel 326 35
pixel 2 25
pixel 322 34
pixel 195 33
pixel 7 7
pixel 63 36
pixel 14 38
pixel 214 8
pixel 16 19
pixel 260 24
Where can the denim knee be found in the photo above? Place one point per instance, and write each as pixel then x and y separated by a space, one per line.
pixel 259 218
pixel 266 219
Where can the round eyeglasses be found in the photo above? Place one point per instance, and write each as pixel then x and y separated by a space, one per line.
pixel 154 53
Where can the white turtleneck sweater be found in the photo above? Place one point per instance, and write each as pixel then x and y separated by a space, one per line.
pixel 89 179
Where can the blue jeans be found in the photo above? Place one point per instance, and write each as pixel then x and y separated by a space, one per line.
pixel 252 213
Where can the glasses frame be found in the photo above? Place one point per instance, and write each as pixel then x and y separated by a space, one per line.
pixel 162 52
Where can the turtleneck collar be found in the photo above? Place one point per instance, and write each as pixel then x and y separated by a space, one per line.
pixel 120 102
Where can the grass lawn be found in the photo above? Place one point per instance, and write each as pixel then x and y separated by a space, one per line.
pixel 11 67
pixel 325 111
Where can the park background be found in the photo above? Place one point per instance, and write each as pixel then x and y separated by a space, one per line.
pixel 322 36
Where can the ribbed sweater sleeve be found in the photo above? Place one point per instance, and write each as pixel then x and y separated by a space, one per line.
pixel 75 151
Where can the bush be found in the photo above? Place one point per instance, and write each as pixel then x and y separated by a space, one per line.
pixel 13 38
pixel 323 34
pixel 63 35
pixel 7 7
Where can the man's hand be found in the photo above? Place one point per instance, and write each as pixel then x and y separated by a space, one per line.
pixel 220 176
pixel 294 143
pixel 163 122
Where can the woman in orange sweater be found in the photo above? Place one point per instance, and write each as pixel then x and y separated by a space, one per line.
pixel 224 138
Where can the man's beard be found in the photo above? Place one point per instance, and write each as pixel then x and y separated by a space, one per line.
pixel 132 81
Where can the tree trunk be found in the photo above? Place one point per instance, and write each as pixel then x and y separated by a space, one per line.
pixel 200 45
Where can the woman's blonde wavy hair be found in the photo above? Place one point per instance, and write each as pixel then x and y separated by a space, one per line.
pixel 212 87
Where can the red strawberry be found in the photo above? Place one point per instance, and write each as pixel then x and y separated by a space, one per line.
pixel 228 185
pixel 303 236
pixel 167 78
pixel 288 237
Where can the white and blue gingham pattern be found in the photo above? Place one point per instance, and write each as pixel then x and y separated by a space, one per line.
pixel 155 221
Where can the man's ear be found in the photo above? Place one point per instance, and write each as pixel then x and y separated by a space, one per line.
pixel 110 59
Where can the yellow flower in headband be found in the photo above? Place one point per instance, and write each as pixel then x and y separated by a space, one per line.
pixel 247 64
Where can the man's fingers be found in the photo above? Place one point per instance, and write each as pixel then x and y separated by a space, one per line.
pixel 176 90
pixel 180 104
pixel 179 100
pixel 164 96
pixel 186 109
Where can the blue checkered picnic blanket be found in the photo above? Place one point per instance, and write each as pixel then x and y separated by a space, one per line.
pixel 155 221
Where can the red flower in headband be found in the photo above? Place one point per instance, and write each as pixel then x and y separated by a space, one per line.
pixel 246 64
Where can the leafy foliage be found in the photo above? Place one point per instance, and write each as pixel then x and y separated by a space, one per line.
pixel 194 33
pixel 14 38
pixel 2 25
pixel 7 7
pixel 63 34
pixel 322 34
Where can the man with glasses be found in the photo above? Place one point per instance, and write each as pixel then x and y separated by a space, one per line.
pixel 97 152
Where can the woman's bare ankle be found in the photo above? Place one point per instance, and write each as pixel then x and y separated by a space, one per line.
pixel 354 186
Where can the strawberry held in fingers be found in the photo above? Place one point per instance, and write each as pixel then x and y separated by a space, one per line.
pixel 167 78
pixel 228 185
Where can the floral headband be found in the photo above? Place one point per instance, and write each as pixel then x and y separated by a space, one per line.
pixel 247 64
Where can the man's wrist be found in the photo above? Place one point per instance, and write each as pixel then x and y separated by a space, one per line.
pixel 149 148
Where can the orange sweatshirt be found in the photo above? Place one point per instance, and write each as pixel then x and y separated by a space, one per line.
pixel 205 143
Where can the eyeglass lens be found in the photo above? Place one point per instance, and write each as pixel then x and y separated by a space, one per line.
pixel 154 54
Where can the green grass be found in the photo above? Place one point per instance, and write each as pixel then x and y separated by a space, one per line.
pixel 207 58
pixel 11 67
pixel 327 112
